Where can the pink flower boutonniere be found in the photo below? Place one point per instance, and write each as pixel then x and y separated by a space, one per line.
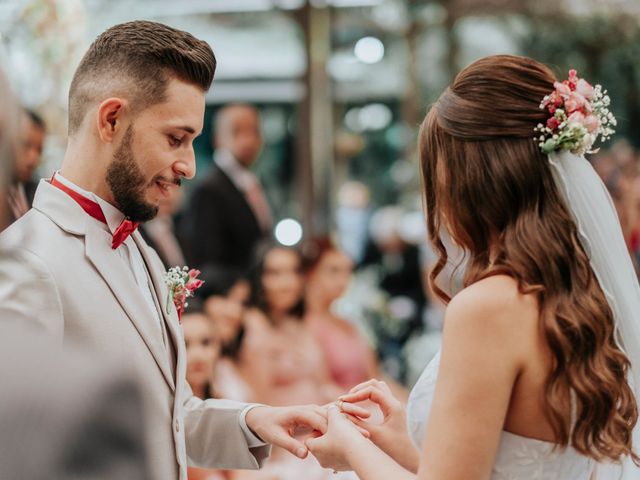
pixel 182 284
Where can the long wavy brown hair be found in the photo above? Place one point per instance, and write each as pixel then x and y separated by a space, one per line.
pixel 489 186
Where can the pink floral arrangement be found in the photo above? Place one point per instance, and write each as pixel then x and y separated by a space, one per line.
pixel 579 113
pixel 182 284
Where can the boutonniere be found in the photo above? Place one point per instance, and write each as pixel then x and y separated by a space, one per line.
pixel 182 284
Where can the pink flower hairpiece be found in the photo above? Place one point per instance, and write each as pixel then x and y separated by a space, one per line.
pixel 579 113
pixel 182 284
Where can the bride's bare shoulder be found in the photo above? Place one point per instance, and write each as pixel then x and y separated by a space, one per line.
pixel 494 302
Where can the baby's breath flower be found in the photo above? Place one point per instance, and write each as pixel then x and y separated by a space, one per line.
pixel 578 129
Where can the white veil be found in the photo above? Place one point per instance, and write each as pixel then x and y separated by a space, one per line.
pixel 601 236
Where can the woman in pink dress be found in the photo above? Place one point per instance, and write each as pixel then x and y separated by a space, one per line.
pixel 301 374
pixel 281 357
pixel 349 357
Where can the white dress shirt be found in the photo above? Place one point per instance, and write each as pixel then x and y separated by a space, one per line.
pixel 132 260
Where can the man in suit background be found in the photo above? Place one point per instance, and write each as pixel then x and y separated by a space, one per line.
pixel 228 213
pixel 28 158
pixel 79 270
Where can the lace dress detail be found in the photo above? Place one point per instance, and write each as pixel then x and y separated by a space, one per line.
pixel 518 457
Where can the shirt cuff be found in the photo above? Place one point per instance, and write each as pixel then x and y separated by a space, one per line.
pixel 252 439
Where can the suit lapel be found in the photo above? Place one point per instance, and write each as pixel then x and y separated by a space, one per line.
pixel 124 288
pixel 170 317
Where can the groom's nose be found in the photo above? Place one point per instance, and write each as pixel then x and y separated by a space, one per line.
pixel 186 165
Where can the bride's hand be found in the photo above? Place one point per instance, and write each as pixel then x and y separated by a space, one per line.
pixel 342 436
pixel 391 435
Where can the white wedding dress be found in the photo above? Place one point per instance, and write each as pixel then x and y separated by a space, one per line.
pixel 518 458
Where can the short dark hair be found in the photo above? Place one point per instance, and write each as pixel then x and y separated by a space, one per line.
pixel 219 281
pixel 138 58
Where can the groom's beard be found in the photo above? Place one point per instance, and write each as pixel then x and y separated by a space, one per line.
pixel 128 184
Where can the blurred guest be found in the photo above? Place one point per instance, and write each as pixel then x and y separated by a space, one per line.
pixel 349 357
pixel 203 350
pixel 29 156
pixel 352 219
pixel 633 205
pixel 160 234
pixel 8 147
pixel 279 348
pixel 619 168
pixel 399 268
pixel 89 424
pixel 394 257
pixel 302 375
pixel 227 297
pixel 228 212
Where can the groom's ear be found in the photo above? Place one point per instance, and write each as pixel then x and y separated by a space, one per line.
pixel 110 115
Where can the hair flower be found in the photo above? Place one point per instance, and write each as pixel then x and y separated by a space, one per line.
pixel 578 115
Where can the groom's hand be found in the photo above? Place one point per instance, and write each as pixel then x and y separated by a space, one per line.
pixel 278 425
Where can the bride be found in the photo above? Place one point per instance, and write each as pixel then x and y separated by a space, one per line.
pixel 533 381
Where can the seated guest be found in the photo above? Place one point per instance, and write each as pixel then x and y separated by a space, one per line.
pixel 203 350
pixel 227 296
pixel 28 158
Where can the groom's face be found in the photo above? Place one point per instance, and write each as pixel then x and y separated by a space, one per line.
pixel 156 152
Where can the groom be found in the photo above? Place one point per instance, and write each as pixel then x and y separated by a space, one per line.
pixel 80 270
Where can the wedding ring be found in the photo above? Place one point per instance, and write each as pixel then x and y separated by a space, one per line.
pixel 340 404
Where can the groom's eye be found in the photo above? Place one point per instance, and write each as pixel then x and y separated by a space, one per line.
pixel 175 141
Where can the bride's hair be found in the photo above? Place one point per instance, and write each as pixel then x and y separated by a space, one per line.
pixel 488 184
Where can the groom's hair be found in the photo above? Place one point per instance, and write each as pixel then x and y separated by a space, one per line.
pixel 137 60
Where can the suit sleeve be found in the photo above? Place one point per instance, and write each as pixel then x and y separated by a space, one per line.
pixel 214 437
pixel 28 293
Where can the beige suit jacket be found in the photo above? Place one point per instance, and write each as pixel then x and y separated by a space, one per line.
pixel 58 271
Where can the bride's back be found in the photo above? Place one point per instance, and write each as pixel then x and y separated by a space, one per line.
pixel 526 414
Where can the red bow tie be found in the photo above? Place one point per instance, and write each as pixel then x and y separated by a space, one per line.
pixel 126 227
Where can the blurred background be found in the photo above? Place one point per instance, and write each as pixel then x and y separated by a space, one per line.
pixel 342 87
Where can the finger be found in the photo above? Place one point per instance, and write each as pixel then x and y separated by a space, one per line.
pixel 355 410
pixel 322 409
pixel 384 400
pixel 315 445
pixel 383 385
pixel 312 419
pixel 362 385
pixel 370 428
pixel 294 447
pixel 311 443
pixel 334 414
pixel 365 433
pixel 373 383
